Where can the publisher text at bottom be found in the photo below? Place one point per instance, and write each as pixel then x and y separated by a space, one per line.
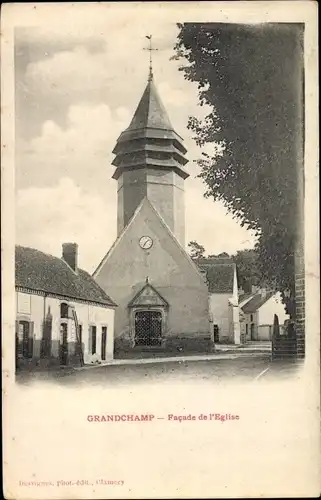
pixel 73 483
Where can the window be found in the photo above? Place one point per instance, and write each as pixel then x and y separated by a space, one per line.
pixel 64 309
pixel 24 339
pixel 24 303
pixel 251 317
pixel 103 342
pixel 93 335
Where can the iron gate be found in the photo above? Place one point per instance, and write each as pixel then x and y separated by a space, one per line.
pixel 148 328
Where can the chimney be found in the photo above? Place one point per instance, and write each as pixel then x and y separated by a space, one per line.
pixel 263 293
pixel 255 289
pixel 70 255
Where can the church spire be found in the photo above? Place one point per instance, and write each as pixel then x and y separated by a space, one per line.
pixel 150 162
pixel 150 140
pixel 150 112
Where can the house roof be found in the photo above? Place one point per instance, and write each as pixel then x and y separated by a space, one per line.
pixel 244 296
pixel 219 274
pixel 256 302
pixel 41 272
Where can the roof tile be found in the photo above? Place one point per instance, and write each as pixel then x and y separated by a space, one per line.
pixel 41 272
pixel 219 274
pixel 256 302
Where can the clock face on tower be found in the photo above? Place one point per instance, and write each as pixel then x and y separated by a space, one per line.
pixel 146 242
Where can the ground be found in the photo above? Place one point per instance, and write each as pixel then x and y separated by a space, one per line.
pixel 242 368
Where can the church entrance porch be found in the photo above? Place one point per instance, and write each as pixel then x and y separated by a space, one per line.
pixel 148 328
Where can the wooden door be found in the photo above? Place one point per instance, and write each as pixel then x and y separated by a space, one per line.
pixel 63 347
pixel 103 342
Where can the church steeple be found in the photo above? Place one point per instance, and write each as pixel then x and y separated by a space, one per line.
pixel 150 112
pixel 150 138
pixel 149 161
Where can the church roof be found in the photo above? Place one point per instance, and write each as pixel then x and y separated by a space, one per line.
pixel 150 112
pixel 41 272
pixel 219 274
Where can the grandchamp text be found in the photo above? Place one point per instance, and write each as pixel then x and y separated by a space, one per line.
pixel 149 417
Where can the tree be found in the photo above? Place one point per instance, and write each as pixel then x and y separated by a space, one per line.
pixel 196 250
pixel 221 255
pixel 248 271
pixel 251 77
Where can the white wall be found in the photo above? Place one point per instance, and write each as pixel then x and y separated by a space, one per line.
pixel 248 321
pixel 264 332
pixel 235 327
pixel 272 306
pixel 221 314
pixel 34 308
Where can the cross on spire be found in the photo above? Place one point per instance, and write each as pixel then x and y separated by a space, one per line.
pixel 150 49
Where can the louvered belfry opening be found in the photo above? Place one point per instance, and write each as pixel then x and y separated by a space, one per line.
pixel 148 328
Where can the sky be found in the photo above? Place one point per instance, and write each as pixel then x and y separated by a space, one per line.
pixel 76 89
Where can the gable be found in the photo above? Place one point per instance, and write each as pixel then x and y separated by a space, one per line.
pixel 148 296
pixel 166 261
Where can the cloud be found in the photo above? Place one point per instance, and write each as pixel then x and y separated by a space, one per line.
pixel 89 127
pixel 48 217
pixel 69 71
pixel 116 75
pixel 72 104
pixel 58 35
pixel 81 150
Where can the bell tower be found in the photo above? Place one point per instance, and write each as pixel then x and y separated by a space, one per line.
pixel 149 161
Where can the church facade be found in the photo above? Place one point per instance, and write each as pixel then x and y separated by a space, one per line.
pixel 162 298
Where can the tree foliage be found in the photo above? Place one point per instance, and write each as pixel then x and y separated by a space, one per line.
pixel 251 77
pixel 221 255
pixel 248 270
pixel 196 250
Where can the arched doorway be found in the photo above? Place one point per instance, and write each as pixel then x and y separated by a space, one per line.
pixel 148 328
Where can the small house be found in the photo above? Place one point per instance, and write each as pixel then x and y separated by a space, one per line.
pixel 257 310
pixel 221 278
pixel 63 317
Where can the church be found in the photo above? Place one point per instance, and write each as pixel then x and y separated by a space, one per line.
pixel 162 297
